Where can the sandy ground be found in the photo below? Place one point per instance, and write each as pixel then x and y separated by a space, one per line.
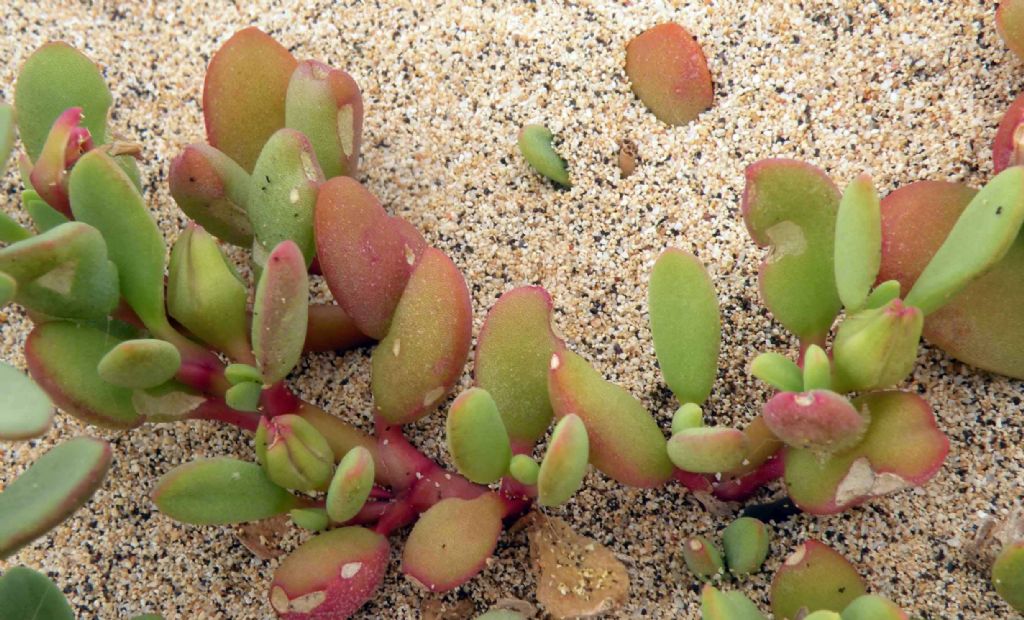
pixel 905 90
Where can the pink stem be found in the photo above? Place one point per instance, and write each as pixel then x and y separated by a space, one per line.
pixel 217 409
pixel 279 400
pixel 734 489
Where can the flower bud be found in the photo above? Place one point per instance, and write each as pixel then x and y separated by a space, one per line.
pixel 293 453
pixel 877 348
pixel 205 295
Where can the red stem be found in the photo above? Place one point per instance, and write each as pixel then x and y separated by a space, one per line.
pixel 217 409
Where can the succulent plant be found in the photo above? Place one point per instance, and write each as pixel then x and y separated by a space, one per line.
pixel 669 73
pixel 535 145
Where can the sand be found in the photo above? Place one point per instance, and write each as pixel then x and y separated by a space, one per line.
pixel 904 90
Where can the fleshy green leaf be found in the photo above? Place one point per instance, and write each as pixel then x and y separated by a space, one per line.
pixel 220 490
pixel 10 230
pixel 858 252
pixel 718 605
pixel 44 217
pixel 244 396
pixel 244 94
pixel 814 577
pixel 818 420
pixel 476 436
pixel 54 78
pixel 685 324
pixel 365 256
pixel 625 441
pixel 565 462
pixel 790 207
pixel 25 410
pixel 702 558
pixel 103 196
pixel 205 294
pixel 817 369
pixel 351 485
pixel 982 325
pixel 1010 25
pixel 63 273
pixel 7 133
pixel 876 349
pixel 280 312
pixel 903 447
pixel 708 449
pixel 425 350
pixel 28 595
pixel 746 541
pixel 63 357
pixel 452 541
pixel 1008 575
pixel 8 289
pixel 283 193
pixel 535 145
pixel 331 575
pixel 982 235
pixel 213 190
pixel 778 371
pixel 50 490
pixel 325 105
pixel 140 364
pixel 512 355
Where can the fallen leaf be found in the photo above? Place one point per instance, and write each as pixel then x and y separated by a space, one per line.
pixel 577 577
pixel 263 538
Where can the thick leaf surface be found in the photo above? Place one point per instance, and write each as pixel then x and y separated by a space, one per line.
pixel 814 577
pixel 365 256
pixel 513 351
pixel 325 105
pixel 103 196
pixel 50 490
pixel 54 78
pixel 244 94
pixel 28 595
pixel 220 490
pixel 790 207
pixel 669 73
pixel 685 324
pixel 452 540
pixel 280 313
pixel 63 359
pixel 625 441
pixel 25 410
pixel 426 348
pixel 330 576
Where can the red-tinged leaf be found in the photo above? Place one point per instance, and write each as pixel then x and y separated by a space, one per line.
pixel 330 576
pixel 283 193
pixel 982 325
pixel 669 73
pixel 512 356
pixel 814 577
pixel 790 207
pixel 64 145
pixel 280 312
pixel 63 359
pixel 364 256
pixel 1008 146
pixel 1010 24
pixel 819 420
pixel 903 447
pixel 50 490
pixel 452 540
pixel 54 78
pixel 244 94
pixel 426 348
pixel 625 441
pixel 325 104
pixel 331 329
pixel 213 190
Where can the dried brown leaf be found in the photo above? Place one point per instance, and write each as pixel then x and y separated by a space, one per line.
pixel 263 538
pixel 577 577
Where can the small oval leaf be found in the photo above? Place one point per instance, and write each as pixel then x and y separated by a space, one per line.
pixel 708 449
pixel 280 313
pixel 476 436
pixel 351 485
pixel 667 70
pixel 858 250
pixel 814 577
pixel 140 364
pixel 535 145
pixel 685 324
pixel 565 462
pixel 221 490
pixel 28 595
pixel 325 105
pixel 452 541
pixel 213 190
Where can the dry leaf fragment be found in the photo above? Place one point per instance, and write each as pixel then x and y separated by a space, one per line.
pixel 577 577
pixel 436 609
pixel 263 538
